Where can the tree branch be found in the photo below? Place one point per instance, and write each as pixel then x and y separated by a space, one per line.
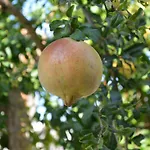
pixel 17 122
pixel 3 108
pixel 87 15
pixel 11 9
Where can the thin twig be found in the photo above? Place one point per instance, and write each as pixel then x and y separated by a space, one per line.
pixel 87 15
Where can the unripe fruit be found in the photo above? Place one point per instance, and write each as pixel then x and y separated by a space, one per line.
pixel 70 69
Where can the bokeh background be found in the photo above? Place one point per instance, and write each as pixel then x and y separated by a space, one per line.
pixel 116 116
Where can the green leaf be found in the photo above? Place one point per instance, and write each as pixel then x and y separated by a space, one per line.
pixel 77 126
pixel 57 23
pixel 126 131
pixel 89 148
pixel 91 33
pixel 70 11
pixel 134 20
pixel 78 35
pixel 124 5
pixel 88 138
pixel 62 32
pixel 74 23
pixel 136 14
pixel 137 139
pixel 116 20
pixel 110 141
pixel 87 114
pixel 135 50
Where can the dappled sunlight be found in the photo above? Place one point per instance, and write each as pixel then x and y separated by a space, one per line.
pixel 115 116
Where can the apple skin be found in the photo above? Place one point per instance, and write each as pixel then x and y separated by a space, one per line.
pixel 70 69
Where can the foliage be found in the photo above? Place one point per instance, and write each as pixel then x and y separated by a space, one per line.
pixel 117 116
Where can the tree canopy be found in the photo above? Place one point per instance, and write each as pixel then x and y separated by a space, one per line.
pixel 116 116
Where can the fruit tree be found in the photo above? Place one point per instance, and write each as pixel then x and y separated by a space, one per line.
pixel 91 55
